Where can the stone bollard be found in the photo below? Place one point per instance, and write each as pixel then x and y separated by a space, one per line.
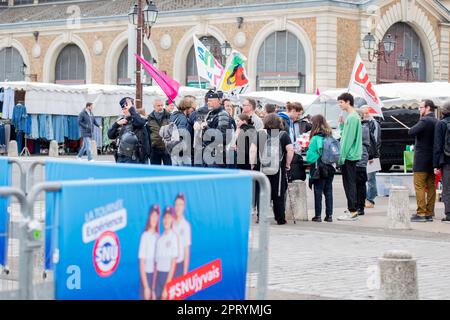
pixel 13 150
pixel 53 149
pixel 398 276
pixel 94 149
pixel 296 204
pixel 398 211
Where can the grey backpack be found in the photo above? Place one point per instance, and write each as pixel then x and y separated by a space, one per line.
pixel 331 150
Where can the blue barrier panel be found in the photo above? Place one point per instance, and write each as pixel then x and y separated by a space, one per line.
pixel 75 170
pixel 5 181
pixel 112 246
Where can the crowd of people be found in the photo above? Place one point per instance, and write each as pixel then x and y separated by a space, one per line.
pixel 222 135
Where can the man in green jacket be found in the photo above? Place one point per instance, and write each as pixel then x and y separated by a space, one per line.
pixel 351 150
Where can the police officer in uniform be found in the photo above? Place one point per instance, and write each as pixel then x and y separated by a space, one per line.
pixel 124 129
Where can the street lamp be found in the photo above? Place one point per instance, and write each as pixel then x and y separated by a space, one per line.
pixel 385 47
pixel 226 49
pixel 410 67
pixel 144 19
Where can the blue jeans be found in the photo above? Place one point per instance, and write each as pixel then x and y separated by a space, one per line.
pixel 372 191
pixel 325 187
pixel 86 147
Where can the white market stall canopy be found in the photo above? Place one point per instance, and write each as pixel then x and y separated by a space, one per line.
pixel 439 92
pixel 49 98
pixel 280 97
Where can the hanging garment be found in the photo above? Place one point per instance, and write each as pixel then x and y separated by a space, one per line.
pixel 107 124
pixel 74 130
pixel 7 133
pixel 8 103
pixel 97 134
pixel 45 127
pixel 19 118
pixel 2 97
pixel 34 132
pixel 2 134
pixel 58 128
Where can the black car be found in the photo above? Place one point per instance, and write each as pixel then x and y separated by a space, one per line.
pixel 394 136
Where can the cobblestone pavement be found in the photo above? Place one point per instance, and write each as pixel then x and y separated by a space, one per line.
pixel 341 264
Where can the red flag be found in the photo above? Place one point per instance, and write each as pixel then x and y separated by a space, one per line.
pixel 167 84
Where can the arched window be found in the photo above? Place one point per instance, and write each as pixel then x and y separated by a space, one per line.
pixel 191 63
pixel 70 66
pixel 407 61
pixel 122 67
pixel 281 63
pixel 11 65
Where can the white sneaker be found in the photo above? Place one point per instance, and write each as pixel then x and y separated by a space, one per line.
pixel 348 216
pixel 79 159
pixel 92 160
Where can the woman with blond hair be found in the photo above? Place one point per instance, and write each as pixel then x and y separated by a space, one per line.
pixel 321 175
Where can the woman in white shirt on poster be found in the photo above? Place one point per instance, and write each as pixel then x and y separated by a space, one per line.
pixel 167 251
pixel 147 253
pixel 183 229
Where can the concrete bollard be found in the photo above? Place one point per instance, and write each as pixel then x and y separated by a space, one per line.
pixel 296 204
pixel 13 150
pixel 398 276
pixel 398 215
pixel 53 149
pixel 94 149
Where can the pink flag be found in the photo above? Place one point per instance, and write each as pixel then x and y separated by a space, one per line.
pixel 318 92
pixel 167 84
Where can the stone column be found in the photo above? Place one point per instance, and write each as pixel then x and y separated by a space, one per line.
pixel 326 56
pixel 398 276
pixel 296 203
pixel 94 149
pixel 398 216
pixel 13 150
pixel 53 149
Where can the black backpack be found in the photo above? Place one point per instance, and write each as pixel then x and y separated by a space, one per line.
pixel 128 142
pixel 447 139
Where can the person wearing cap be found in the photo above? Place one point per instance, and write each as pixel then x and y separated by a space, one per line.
pixel 157 119
pixel 167 253
pixel 217 119
pixel 129 122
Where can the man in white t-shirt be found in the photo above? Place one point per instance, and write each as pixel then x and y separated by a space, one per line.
pixel 183 229
pixel 167 252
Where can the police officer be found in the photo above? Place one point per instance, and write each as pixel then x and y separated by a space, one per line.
pixel 125 129
pixel 217 119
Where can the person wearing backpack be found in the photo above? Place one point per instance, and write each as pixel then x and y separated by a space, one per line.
pixel 361 166
pixel 275 157
pixel 217 122
pixel 424 179
pixel 374 153
pixel 124 130
pixel 351 149
pixel 322 152
pixel 180 118
pixel 441 156
pixel 157 119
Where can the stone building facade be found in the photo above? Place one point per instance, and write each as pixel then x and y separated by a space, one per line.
pixel 292 45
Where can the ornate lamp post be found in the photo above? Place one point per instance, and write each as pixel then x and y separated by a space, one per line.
pixel 385 48
pixel 143 19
